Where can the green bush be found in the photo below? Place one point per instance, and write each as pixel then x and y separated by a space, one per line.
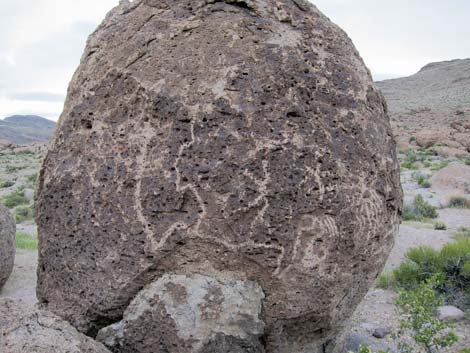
pixel 467 161
pixel 365 349
pixel 459 202
pixel 25 241
pixel 438 166
pixel 418 307
pixel 13 168
pixel 424 182
pixel 32 178
pixel 7 183
pixel 419 211
pixel 452 263
pixel 15 198
pixel 23 213
pixel 463 232
pixel 440 226
pixel 385 280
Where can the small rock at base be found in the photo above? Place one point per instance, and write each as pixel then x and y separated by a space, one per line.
pixel 450 313
pixel 381 332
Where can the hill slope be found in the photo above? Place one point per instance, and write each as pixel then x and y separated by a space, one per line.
pixel 23 129
pixel 433 106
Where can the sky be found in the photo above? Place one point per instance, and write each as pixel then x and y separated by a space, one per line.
pixel 41 42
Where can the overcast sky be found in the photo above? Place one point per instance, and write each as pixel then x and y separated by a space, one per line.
pixel 41 42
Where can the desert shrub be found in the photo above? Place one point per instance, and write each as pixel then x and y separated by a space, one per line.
pixel 463 232
pixel 419 211
pixel 466 161
pixel 407 275
pixel 425 209
pixel 14 168
pixel 385 280
pixel 440 165
pixel 16 198
pixel 459 202
pixel 366 349
pixel 6 184
pixel 410 161
pixel 23 213
pixel 440 226
pixel 452 263
pixel 422 180
pixel 454 259
pixel 25 241
pixel 32 178
pixel 418 307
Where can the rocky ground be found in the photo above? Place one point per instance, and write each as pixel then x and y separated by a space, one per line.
pixel 431 108
pixel 377 311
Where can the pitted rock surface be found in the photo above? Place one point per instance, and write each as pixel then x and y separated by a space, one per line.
pixel 7 244
pixel 201 311
pixel 241 137
pixel 37 331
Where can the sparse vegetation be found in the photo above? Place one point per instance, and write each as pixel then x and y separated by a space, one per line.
pixel 440 165
pixel 459 202
pixel 419 211
pixel 6 184
pixel 25 242
pixel 422 180
pixel 452 264
pixel 385 280
pixel 14 168
pixel 440 226
pixel 463 232
pixel 418 306
pixel 23 213
pixel 365 349
pixel 410 161
pixel 32 178
pixel 16 198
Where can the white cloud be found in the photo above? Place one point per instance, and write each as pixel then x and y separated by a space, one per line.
pixel 41 42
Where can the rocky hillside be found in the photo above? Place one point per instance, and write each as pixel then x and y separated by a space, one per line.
pixel 24 129
pixel 432 107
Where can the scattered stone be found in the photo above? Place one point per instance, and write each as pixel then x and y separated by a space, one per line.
pixel 450 313
pixel 453 180
pixel 354 341
pixel 29 194
pixel 7 244
pixel 37 331
pixel 381 332
pixel 242 137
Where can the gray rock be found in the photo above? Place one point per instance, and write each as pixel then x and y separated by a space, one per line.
pixel 236 137
pixel 450 313
pixel 193 313
pixel 29 194
pixel 381 332
pixel 354 341
pixel 37 331
pixel 7 244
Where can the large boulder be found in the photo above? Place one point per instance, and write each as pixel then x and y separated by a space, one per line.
pixel 7 244
pixel 243 141
pixel 23 329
